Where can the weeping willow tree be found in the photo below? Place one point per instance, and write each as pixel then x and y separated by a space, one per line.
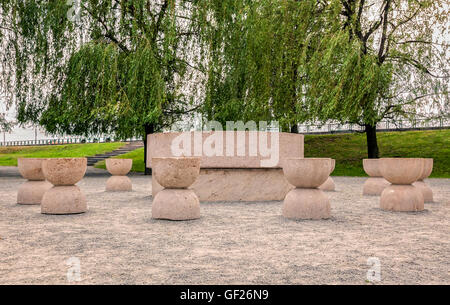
pixel 351 61
pixel 99 66
pixel 131 67
pixel 388 60
pixel 255 53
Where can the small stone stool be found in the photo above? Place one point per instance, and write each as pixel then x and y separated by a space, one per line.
pixel 421 185
pixel 118 168
pixel 306 201
pixel 32 191
pixel 401 196
pixel 329 185
pixel 176 201
pixel 65 197
pixel 375 184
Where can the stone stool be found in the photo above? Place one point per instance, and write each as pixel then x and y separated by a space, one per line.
pixel 306 201
pixel 118 168
pixel 65 197
pixel 424 188
pixel 401 196
pixel 176 201
pixel 375 184
pixel 31 192
pixel 329 184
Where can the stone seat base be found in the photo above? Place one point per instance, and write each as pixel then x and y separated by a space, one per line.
pixel 119 184
pixel 176 204
pixel 402 198
pixel 374 186
pixel 328 185
pixel 31 192
pixel 303 203
pixel 238 184
pixel 425 189
pixel 64 200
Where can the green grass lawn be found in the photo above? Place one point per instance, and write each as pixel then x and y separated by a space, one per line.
pixel 350 149
pixel 9 154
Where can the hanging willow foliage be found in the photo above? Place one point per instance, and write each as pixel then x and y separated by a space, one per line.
pixel 352 61
pixel 123 65
pixel 92 67
pixel 104 93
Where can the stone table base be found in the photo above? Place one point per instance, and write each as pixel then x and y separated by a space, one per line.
pixel 237 185
pixel 425 189
pixel 64 200
pixel 31 192
pixel 176 204
pixel 118 184
pixel 374 186
pixel 328 185
pixel 306 204
pixel 402 198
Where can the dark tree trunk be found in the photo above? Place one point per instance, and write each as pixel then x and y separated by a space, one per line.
pixel 294 128
pixel 372 144
pixel 148 128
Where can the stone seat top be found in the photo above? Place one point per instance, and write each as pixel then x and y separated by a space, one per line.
pixel 239 149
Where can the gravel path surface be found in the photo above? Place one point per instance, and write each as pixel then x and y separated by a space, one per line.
pixel 117 242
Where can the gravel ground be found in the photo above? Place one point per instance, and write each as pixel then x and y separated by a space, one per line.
pixel 117 242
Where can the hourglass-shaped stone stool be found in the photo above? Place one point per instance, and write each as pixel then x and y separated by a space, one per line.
pixel 401 196
pixel 329 184
pixel 118 168
pixel 65 197
pixel 176 201
pixel 32 191
pixel 420 184
pixel 306 201
pixel 375 184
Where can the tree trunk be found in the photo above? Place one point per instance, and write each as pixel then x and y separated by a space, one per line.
pixel 294 128
pixel 372 144
pixel 148 129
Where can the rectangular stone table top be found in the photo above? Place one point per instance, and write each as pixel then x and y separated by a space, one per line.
pixel 236 151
